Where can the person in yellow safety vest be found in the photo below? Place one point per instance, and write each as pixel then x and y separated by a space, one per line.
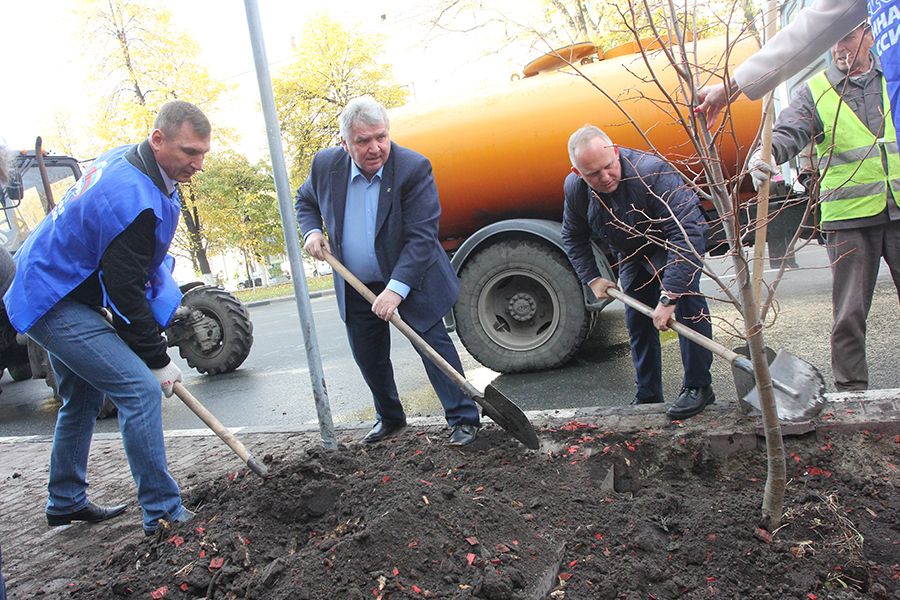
pixel 846 111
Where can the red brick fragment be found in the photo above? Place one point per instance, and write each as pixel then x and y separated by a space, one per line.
pixel 763 535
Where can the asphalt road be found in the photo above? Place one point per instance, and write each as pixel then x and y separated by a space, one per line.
pixel 273 389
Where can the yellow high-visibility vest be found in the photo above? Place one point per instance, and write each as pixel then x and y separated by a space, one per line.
pixel 853 181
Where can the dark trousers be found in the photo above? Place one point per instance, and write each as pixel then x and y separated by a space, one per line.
pixel 690 310
pixel 855 256
pixel 370 342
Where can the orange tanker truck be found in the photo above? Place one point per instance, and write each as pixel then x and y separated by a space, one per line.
pixel 499 161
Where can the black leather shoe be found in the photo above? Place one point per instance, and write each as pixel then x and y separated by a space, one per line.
pixel 382 430
pixel 91 513
pixel 462 435
pixel 637 401
pixel 691 401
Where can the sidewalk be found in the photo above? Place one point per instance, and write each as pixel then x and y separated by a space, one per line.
pixel 36 560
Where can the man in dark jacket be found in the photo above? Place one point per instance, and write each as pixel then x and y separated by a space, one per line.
pixel 113 227
pixel 639 207
pixel 379 203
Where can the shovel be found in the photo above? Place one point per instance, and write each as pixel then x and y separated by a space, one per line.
pixel 213 423
pixel 798 385
pixel 494 404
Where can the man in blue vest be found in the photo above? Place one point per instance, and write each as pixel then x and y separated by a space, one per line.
pixel 843 110
pixel 105 245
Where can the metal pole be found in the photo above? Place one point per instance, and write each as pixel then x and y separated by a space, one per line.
pixel 289 225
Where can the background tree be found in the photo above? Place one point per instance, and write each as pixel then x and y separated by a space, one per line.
pixel 560 23
pixel 143 61
pixel 238 201
pixel 331 66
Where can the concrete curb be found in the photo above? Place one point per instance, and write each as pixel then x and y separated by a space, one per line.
pixel 318 294
pixel 875 410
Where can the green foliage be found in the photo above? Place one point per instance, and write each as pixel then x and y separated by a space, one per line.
pixel 331 66
pixel 143 61
pixel 239 205
pixel 315 284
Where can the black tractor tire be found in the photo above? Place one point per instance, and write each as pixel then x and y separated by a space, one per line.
pixel 521 307
pixel 235 327
pixel 19 372
pixel 108 410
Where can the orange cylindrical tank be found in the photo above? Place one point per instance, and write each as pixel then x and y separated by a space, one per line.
pixel 502 154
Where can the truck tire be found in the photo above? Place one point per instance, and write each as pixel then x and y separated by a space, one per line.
pixel 231 330
pixel 521 307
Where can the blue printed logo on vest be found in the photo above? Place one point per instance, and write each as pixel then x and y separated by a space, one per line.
pixel 87 181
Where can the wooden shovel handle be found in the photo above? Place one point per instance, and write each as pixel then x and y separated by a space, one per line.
pixel 405 329
pixel 682 330
pixel 220 430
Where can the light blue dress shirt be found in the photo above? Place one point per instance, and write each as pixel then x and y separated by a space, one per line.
pixel 358 237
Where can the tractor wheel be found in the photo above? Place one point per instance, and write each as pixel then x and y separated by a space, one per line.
pixel 227 327
pixel 19 372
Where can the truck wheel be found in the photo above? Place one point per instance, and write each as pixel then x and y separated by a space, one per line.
pixel 19 372
pixel 228 327
pixel 521 307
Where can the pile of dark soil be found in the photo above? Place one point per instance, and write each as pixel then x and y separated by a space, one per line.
pixel 652 515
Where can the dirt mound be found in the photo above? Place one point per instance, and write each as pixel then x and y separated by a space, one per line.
pixel 656 514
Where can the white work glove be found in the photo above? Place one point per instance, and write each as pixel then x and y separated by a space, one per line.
pixel 760 170
pixel 167 376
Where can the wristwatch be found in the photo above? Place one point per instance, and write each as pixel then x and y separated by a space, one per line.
pixel 665 300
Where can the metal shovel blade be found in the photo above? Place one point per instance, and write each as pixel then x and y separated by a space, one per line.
pixel 507 415
pixel 799 389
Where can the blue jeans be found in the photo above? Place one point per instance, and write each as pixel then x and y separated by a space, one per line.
pixel 91 361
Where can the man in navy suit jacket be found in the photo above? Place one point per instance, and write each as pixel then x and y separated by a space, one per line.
pixel 379 204
pixel 639 206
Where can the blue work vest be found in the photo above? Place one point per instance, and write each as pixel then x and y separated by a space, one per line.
pixel 66 247
pixel 884 15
